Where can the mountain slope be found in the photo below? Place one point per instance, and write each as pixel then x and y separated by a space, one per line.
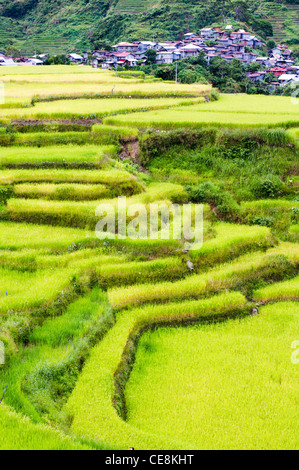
pixel 57 26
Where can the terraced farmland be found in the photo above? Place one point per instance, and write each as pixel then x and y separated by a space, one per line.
pixel 134 7
pixel 193 377
pixel 231 111
pixel 22 86
pixel 285 23
pixel 102 332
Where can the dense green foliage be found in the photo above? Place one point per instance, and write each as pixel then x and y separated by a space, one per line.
pixel 228 77
pixel 80 24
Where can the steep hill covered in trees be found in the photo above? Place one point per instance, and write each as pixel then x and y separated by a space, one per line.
pixel 63 25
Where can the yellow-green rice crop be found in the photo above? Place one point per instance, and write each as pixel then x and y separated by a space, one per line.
pixel 230 110
pixel 110 177
pixel 84 108
pixel 61 192
pixel 195 118
pixel 71 154
pixel 14 236
pixel 294 132
pixel 69 358
pixel 79 260
pixel 231 241
pixel 56 81
pixel 279 291
pixel 236 273
pixel 19 433
pixel 61 343
pixel 84 259
pixel 21 291
pixel 149 271
pixel 222 386
pixel 125 133
pixel 82 214
pixel 227 234
pixel 94 415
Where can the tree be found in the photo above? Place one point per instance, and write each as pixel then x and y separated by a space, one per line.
pixel 242 12
pixel 12 51
pixel 253 67
pixel 165 72
pixel 262 27
pixel 151 55
pixel 199 60
pixel 219 67
pixel 271 44
pixel 187 76
pixel 57 60
pixel 296 54
pixel 231 86
pixel 102 46
pixel 237 71
pixel 224 6
pixel 270 77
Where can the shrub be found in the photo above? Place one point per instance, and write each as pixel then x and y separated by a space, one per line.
pixel 157 143
pixel 281 211
pixel 6 192
pixel 295 215
pixel 254 137
pixel 210 193
pixel 263 221
pixel 269 187
pixel 7 139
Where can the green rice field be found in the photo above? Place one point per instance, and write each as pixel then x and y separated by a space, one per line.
pixel 22 85
pixel 84 108
pixel 230 110
pixel 214 377
pixel 73 155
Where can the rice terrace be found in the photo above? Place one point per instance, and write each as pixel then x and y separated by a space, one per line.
pixel 120 342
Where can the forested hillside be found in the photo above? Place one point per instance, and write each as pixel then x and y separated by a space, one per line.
pixel 57 26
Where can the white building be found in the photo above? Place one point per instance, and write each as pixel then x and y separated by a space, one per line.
pixel 165 57
pixel 35 62
pixel 76 58
pixel 191 50
pixel 189 36
pixel 4 61
pixel 207 33
pixel 286 78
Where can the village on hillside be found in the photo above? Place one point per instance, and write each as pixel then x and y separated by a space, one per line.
pixel 213 42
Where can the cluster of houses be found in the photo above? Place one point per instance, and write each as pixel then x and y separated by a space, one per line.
pixel 9 62
pixel 214 42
